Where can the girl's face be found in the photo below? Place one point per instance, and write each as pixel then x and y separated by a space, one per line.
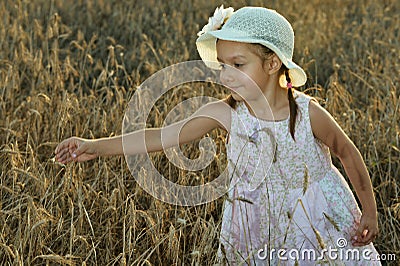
pixel 242 71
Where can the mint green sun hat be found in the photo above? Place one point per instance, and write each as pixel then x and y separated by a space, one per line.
pixel 251 25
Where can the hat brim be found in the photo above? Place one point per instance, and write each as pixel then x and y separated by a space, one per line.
pixel 206 46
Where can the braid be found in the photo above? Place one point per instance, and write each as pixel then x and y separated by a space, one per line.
pixel 231 102
pixel 292 105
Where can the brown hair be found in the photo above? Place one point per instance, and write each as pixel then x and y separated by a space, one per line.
pixel 292 103
pixel 264 53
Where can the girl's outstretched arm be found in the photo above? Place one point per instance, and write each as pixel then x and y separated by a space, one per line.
pixel 329 132
pixel 208 117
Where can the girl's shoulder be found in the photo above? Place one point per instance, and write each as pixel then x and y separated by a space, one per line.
pixel 304 103
pixel 309 105
pixel 302 98
pixel 220 111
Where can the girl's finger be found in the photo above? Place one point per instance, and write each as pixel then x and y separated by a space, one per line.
pixel 370 236
pixel 62 158
pixel 61 153
pixel 360 231
pixel 59 148
pixel 366 240
pixel 63 149
pixel 77 152
pixel 62 146
pixel 357 239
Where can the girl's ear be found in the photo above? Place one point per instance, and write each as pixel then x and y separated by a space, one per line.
pixel 273 64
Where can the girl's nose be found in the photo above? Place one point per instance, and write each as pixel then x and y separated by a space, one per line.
pixel 227 74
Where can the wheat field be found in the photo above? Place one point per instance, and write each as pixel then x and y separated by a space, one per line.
pixel 70 67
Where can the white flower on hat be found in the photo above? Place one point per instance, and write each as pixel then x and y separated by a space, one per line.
pixel 215 22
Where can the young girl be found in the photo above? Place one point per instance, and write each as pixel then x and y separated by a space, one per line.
pixel 288 204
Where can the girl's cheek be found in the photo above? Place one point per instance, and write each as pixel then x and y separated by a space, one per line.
pixel 242 77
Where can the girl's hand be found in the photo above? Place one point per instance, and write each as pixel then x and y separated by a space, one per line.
pixel 367 230
pixel 76 149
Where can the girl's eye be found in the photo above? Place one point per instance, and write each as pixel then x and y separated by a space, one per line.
pixel 223 66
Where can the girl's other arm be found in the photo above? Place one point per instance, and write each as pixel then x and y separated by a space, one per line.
pixel 208 117
pixel 329 132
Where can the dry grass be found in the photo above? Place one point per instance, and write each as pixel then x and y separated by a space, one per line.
pixel 69 68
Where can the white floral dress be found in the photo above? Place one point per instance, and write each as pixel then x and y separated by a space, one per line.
pixel 288 205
